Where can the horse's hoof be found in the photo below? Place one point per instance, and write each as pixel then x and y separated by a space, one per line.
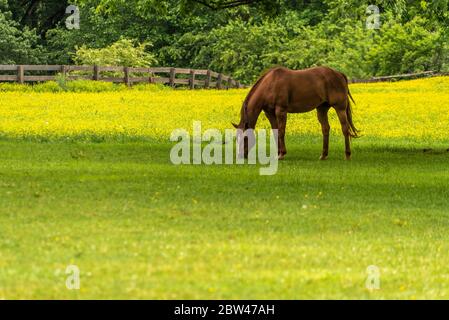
pixel 348 158
pixel 323 157
pixel 281 157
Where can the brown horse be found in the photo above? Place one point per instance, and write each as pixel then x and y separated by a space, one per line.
pixel 281 91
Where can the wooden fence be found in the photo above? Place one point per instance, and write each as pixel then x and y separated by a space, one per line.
pixel 400 77
pixel 128 75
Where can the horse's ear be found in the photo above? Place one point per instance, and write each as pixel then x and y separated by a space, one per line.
pixel 235 125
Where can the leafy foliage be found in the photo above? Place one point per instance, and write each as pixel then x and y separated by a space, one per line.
pixel 16 45
pixel 121 53
pixel 242 38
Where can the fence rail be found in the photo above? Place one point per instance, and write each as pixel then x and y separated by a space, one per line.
pixel 400 77
pixel 192 78
pixel 129 75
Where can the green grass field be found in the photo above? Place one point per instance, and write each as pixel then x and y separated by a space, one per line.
pixel 139 227
pixel 86 180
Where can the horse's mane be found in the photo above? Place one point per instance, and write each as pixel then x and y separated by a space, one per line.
pixel 250 94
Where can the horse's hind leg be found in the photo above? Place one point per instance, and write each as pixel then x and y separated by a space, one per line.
pixel 322 111
pixel 281 116
pixel 341 112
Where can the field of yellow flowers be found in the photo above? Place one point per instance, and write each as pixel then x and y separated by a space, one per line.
pixel 86 181
pixel 412 109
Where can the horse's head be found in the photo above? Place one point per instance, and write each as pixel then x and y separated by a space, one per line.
pixel 242 136
pixel 245 128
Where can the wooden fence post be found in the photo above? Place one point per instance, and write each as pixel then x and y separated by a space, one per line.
pixel 172 77
pixel 20 74
pixel 64 70
pixel 126 73
pixel 150 76
pixel 229 83
pixel 219 80
pixel 207 81
pixel 96 73
pixel 192 79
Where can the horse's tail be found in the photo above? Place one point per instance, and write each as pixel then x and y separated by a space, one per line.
pixel 350 96
pixel 353 131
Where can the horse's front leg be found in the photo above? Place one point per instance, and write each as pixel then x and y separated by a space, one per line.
pixel 281 117
pixel 271 116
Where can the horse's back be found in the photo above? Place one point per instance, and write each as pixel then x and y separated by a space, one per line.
pixel 306 89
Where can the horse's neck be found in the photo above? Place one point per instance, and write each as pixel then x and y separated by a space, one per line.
pixel 253 111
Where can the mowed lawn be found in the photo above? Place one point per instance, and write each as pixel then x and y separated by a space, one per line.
pixel 138 226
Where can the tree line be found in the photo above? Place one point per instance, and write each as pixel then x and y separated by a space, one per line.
pixel 238 37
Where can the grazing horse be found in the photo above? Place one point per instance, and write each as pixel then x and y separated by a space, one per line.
pixel 281 91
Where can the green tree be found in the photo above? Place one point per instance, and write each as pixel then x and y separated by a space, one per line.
pixel 240 37
pixel 409 47
pixel 40 15
pixel 18 45
pixel 121 53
